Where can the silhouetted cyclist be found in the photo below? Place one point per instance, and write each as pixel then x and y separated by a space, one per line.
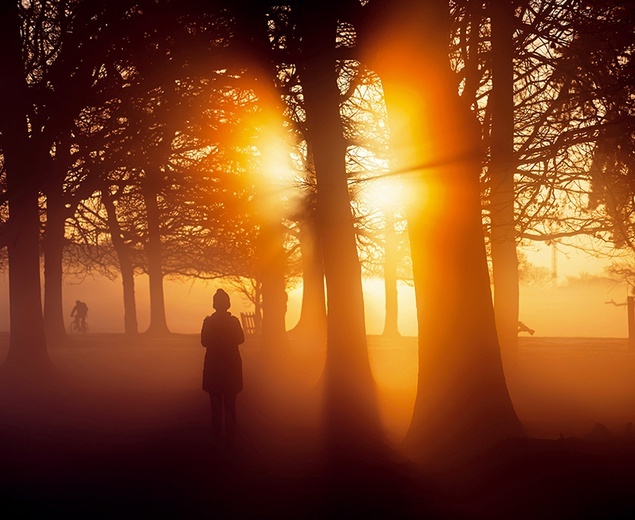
pixel 222 372
pixel 80 312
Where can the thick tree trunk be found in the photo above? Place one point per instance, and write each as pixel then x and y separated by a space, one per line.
pixel 350 403
pixel 502 167
pixel 391 260
pixel 462 403
pixel 27 344
pixel 125 266
pixel 312 322
pixel 53 270
pixel 158 323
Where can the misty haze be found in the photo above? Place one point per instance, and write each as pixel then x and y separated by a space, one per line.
pixel 295 260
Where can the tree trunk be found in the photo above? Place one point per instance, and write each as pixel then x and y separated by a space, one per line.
pixel 158 323
pixel 27 344
pixel 502 167
pixel 462 403
pixel 274 295
pixel 391 260
pixel 131 326
pixel 350 403
pixel 53 270
pixel 258 308
pixel 125 266
pixel 312 322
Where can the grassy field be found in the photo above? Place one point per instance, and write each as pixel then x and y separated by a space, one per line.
pixel 123 432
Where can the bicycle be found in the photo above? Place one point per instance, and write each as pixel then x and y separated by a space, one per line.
pixel 78 326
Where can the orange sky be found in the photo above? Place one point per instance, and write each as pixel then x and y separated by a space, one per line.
pixel 570 309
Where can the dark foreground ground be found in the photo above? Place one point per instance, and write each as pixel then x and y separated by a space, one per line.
pixel 123 432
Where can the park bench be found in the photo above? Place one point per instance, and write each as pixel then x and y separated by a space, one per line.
pixel 248 320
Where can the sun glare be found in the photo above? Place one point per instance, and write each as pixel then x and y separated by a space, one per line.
pixel 386 193
pixel 275 155
pixel 276 176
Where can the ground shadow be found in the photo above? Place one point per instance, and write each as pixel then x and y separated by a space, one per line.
pixel 125 433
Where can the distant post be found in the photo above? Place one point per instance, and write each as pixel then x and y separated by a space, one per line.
pixel 630 301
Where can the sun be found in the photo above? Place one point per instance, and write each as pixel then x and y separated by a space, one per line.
pixel 386 193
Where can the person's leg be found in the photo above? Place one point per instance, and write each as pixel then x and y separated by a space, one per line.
pixel 216 401
pixel 230 418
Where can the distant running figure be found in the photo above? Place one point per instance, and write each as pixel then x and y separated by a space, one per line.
pixel 222 372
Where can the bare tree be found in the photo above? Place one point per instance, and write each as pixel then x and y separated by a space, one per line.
pixel 462 400
pixel 350 401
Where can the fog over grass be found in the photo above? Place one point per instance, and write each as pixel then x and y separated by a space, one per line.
pixel 574 308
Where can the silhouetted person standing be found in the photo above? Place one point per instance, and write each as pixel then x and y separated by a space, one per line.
pixel 222 373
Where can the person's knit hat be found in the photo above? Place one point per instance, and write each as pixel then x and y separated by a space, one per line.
pixel 221 300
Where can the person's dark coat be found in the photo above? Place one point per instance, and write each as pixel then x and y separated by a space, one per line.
pixel 221 334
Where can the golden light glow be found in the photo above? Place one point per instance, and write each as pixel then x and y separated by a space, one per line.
pixel 404 110
pixel 385 193
pixel 275 157
pixel 276 178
